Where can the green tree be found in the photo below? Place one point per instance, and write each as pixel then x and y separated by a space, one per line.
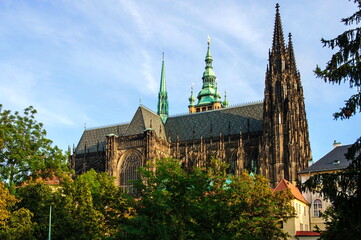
pixel 204 204
pixel 107 198
pixel 15 223
pixel 37 197
pixel 343 189
pixel 24 149
pixel 89 207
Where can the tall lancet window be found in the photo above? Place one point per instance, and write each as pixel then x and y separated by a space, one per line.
pixel 128 171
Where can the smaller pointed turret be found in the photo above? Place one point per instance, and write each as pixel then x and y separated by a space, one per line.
pixel 162 109
pixel 191 99
pixel 217 96
pixel 225 101
pixel 291 54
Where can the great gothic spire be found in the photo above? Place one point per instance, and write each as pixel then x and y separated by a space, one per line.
pixel 278 44
pixel 163 96
pixel 286 147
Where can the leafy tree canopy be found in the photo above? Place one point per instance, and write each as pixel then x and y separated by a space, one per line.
pixel 24 149
pixel 14 223
pixel 205 204
pixel 89 207
pixel 345 64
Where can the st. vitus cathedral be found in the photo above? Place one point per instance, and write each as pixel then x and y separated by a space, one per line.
pixel 268 138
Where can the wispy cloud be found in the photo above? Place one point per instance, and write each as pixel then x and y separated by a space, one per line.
pixel 90 61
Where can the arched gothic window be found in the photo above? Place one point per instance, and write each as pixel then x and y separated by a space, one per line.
pixel 128 171
pixel 233 163
pixel 317 208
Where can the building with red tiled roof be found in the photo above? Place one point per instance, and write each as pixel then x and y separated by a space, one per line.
pixel 284 184
pixel 300 223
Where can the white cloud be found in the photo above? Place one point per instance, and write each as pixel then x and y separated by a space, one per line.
pixel 89 61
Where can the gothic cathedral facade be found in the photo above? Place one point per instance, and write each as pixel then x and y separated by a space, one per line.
pixel 268 138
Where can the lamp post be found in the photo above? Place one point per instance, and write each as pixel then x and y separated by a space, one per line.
pixel 49 234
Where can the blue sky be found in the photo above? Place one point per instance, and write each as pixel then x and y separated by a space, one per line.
pixel 90 62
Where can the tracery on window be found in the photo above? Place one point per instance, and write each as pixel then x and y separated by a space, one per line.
pixel 128 171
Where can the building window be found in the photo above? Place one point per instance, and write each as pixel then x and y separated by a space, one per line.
pixel 317 208
pixel 299 209
pixel 304 211
pixel 301 227
pixel 128 172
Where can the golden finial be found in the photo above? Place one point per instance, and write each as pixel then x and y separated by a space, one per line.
pixel 209 40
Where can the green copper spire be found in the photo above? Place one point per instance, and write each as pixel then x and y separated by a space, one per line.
pixel 225 102
pixel 217 96
pixel 208 74
pixel 163 96
pixel 191 99
pixel 208 94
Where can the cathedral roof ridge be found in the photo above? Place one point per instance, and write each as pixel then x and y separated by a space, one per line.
pixel 106 126
pixel 148 109
pixel 244 104
pixel 221 109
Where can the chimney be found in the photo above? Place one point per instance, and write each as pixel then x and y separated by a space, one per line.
pixel 336 144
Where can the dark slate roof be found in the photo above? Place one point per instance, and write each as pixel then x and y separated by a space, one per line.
pixel 145 119
pixel 94 139
pixel 232 120
pixel 334 160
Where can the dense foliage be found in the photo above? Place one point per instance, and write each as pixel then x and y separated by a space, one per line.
pixel 345 64
pixel 205 204
pixel 343 189
pixel 172 204
pixel 15 223
pixel 24 149
pixel 89 207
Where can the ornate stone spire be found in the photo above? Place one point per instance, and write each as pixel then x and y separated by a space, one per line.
pixel 291 54
pixel 278 44
pixel 163 96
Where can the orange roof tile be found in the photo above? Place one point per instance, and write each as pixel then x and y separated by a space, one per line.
pixel 284 184
pixel 306 233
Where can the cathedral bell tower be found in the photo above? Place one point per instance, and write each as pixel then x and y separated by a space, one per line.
pixel 285 144
pixel 209 97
